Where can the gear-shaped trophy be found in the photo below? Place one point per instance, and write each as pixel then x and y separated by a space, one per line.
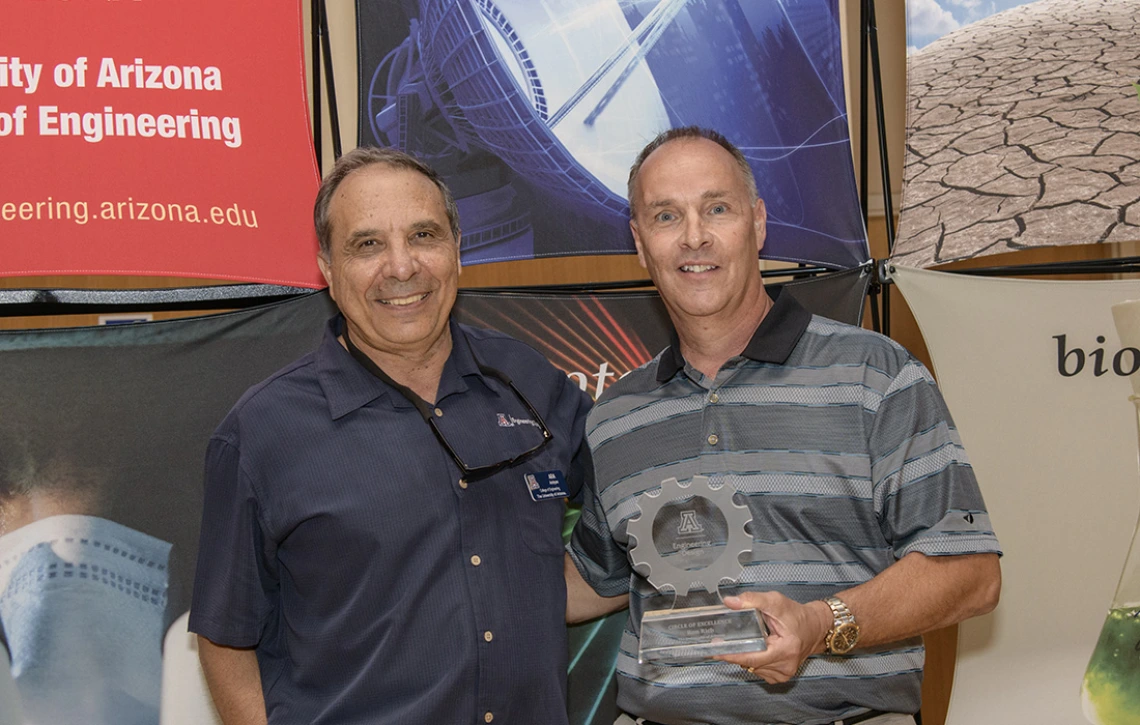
pixel 687 537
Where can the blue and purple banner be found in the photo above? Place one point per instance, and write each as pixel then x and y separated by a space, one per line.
pixel 535 111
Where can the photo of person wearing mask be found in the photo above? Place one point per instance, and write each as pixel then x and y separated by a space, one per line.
pixel 83 599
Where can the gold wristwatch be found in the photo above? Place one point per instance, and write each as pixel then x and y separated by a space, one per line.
pixel 844 633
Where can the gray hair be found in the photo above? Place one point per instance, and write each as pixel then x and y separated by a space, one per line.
pixel 691 132
pixel 362 158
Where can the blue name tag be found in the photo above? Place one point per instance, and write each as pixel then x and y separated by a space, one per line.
pixel 546 485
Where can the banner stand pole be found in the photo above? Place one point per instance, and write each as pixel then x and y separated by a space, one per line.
pixel 873 299
pixel 876 286
pixel 870 39
pixel 881 123
pixel 334 114
pixel 315 70
pixel 863 116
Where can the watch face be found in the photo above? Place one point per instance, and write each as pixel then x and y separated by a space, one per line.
pixel 844 638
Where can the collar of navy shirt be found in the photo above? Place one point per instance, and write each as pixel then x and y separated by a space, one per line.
pixel 348 386
pixel 426 410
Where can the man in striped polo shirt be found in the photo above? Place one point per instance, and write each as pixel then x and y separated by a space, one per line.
pixel 868 526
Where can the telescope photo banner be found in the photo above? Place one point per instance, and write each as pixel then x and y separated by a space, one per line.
pixel 156 138
pixel 103 438
pixel 534 112
pixel 1023 127
pixel 1039 384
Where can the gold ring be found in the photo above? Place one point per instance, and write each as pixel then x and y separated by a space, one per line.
pixel 751 670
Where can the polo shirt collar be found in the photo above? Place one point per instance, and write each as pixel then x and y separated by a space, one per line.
pixel 348 386
pixel 775 337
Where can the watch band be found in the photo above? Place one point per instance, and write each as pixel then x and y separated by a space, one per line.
pixel 840 611
pixel 844 632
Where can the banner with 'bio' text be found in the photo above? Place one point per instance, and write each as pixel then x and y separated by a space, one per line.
pixel 1038 383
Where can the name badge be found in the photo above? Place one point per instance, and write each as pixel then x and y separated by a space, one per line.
pixel 546 485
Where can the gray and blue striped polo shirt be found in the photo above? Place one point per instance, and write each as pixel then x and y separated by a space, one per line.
pixel 844 451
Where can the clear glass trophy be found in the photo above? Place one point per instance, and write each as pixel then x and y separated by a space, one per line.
pixel 688 539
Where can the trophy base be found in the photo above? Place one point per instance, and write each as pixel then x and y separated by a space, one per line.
pixel 680 636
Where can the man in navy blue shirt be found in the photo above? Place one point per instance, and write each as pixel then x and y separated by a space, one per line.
pixel 381 538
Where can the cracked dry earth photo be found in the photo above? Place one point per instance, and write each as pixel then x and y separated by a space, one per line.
pixel 1023 130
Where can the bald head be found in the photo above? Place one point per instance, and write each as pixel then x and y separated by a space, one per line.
pixel 689 133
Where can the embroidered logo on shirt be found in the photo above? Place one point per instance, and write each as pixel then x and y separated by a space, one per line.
pixel 509 421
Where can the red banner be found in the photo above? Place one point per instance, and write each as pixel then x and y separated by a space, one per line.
pixel 156 137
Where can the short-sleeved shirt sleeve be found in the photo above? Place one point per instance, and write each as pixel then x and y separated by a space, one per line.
pixel 230 607
pixel 602 563
pixel 925 493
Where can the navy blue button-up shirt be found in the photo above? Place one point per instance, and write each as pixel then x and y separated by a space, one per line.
pixel 377 586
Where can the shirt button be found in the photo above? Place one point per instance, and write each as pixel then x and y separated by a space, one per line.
pixel 439 412
pixel 714 398
pixel 462 483
pixel 488 636
pixel 713 439
pixel 476 561
pixel 489 717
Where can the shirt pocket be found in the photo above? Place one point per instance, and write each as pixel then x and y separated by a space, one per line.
pixel 539 523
